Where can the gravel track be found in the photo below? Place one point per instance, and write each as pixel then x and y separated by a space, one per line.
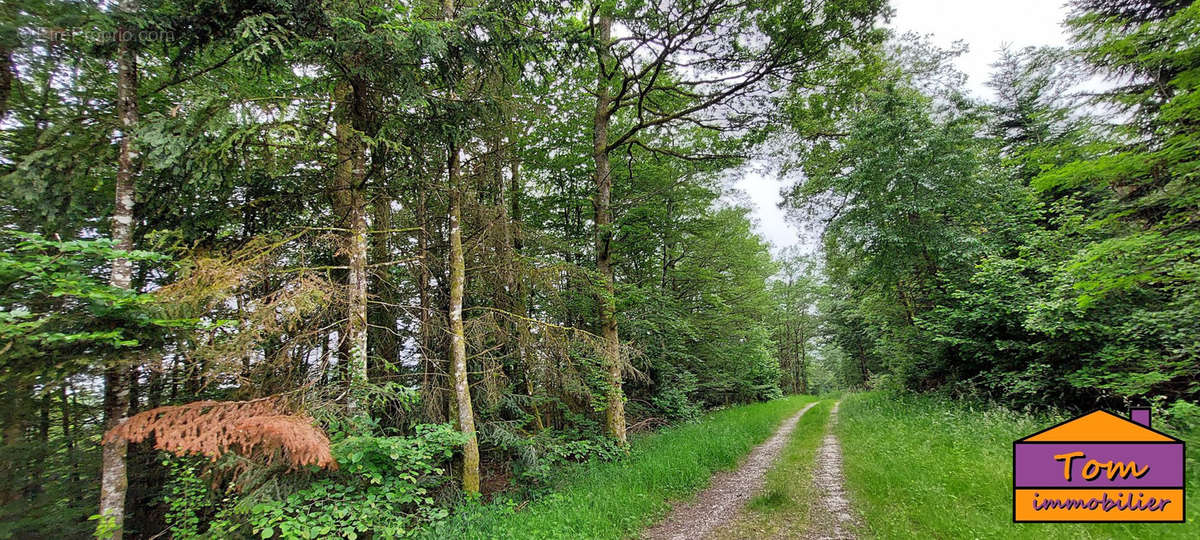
pixel 727 493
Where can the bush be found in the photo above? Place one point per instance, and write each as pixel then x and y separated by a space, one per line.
pixel 885 383
pixel 546 455
pixel 186 496
pixel 1184 415
pixel 381 490
pixel 673 399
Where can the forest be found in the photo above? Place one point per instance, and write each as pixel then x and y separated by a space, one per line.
pixel 332 268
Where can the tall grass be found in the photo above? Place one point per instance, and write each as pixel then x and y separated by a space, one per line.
pixel 924 467
pixel 617 499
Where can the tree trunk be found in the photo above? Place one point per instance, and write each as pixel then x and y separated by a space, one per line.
pixel 16 419
pixel 113 480
pixel 42 451
pixel 69 441
pixel 464 414
pixel 430 396
pixel 908 309
pixel 6 79
pixel 465 419
pixel 383 319
pixel 615 411
pixel 795 342
pixel 787 349
pixel 517 192
pixel 862 365
pixel 349 179
pixel 803 363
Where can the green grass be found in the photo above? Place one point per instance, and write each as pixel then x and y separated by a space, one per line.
pixel 617 499
pixel 922 467
pixel 782 508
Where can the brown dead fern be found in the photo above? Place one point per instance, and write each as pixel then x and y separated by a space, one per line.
pixel 260 428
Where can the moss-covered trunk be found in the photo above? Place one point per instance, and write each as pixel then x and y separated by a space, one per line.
pixel 602 176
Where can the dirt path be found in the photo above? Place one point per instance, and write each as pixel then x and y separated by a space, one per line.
pixel 728 492
pixel 830 516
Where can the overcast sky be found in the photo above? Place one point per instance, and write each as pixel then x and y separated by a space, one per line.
pixel 986 26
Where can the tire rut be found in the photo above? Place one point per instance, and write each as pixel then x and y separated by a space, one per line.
pixel 831 516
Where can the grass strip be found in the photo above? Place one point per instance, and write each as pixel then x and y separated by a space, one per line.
pixel 617 499
pixel 782 509
pixel 925 467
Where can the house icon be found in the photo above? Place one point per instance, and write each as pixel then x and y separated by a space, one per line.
pixel 1099 467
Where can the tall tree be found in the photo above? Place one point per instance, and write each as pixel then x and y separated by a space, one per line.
pixel 464 412
pixel 602 177
pixel 349 184
pixel 909 187
pixel 796 292
pixel 1126 272
pixel 114 481
pixel 677 67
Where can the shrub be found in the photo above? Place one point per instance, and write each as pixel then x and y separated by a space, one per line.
pixel 544 456
pixel 1184 415
pixel 381 490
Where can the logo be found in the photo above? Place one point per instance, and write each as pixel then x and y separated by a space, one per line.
pixel 1099 467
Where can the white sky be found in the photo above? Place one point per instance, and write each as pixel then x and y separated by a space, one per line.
pixel 986 26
